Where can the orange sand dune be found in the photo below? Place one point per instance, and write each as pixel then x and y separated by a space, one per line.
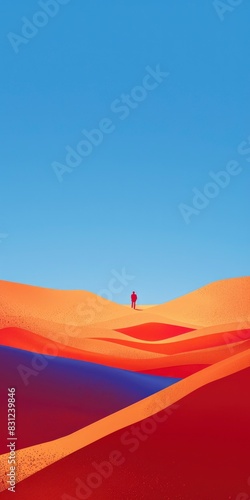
pixel 137 357
pixel 116 355
pixel 35 458
pixel 141 317
pixel 230 332
pixel 59 306
pixel 200 342
pixel 74 336
pixel 218 303
pixel 42 309
pixel 225 301
pixel 94 351
pixel 63 333
pixel 204 356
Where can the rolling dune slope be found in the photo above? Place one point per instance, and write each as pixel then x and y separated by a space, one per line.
pixel 225 301
pixel 60 306
pixel 126 355
pixel 86 370
pixel 77 393
pixel 191 453
pixel 35 458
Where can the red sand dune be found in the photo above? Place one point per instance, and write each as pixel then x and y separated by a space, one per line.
pixel 154 331
pixel 192 453
pixel 35 458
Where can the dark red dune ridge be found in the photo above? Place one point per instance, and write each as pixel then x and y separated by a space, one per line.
pixel 154 331
pixel 199 450
pixel 176 371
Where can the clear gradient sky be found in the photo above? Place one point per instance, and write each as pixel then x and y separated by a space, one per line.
pixel 120 207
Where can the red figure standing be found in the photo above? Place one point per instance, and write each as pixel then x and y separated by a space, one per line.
pixel 133 300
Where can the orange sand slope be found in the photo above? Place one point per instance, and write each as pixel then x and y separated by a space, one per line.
pixel 66 312
pixel 221 302
pixel 66 307
pixel 134 356
pixel 35 458
pixel 225 301
pixel 141 317
pixel 64 333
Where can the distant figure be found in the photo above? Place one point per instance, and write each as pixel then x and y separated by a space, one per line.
pixel 133 300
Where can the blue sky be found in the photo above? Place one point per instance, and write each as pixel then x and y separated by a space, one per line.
pixel 120 207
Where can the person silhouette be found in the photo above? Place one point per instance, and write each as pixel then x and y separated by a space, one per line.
pixel 133 300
